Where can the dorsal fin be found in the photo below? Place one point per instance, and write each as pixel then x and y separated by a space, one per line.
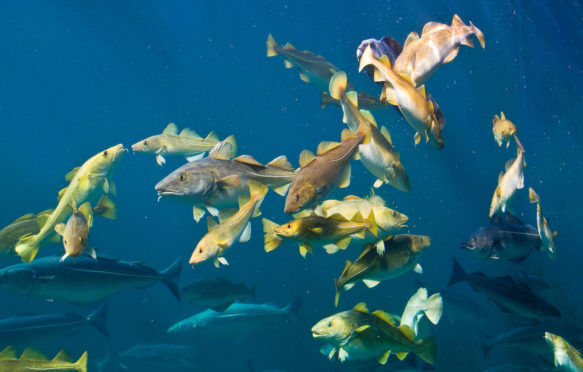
pixel 346 135
pixel 288 46
pixel 457 21
pixel 69 176
pixel 61 193
pixel 222 151
pixel 386 134
pixel 32 354
pixel 502 117
pixel 212 137
pixel 337 217
pixel 407 332
pixel 361 307
pixel 450 57
pixel 385 317
pixel 385 61
pixel 281 162
pixel 210 223
pixel 306 157
pixel 248 159
pixel 421 90
pixel 8 353
pixel 352 97
pixel 171 129
pixel 187 132
pixel 345 177
pixel 63 356
pixel 432 27
pixel 352 197
pixel 410 38
pixel 326 146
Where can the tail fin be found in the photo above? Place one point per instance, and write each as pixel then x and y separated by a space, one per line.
pixel 271 46
pixel 432 307
pixel 257 191
pixel 366 59
pixel 294 306
pixel 533 196
pixel 171 275
pixel 427 350
pixel 271 240
pixel 337 85
pixel 106 208
pixel 338 290
pixel 27 248
pixel 326 100
pixel 81 364
pixel 458 274
pixel 98 319
pixel 479 34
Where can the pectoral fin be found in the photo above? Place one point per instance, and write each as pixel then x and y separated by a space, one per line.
pixel 160 160
pixel 418 269
pixel 344 177
pixel 60 229
pixel 370 283
pixel 246 235
pixel 197 213
pixel 417 138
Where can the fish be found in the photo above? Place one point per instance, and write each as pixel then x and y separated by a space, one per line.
pixel 333 232
pixel 76 232
pixel 388 221
pixel 545 233
pixel 237 321
pixel 233 225
pixel 413 104
pixel 438 45
pixel 399 256
pixel 313 68
pixel 357 334
pixel 84 279
pixel 39 330
pixel 504 130
pixel 529 338
pixel 187 143
pixel 28 224
pixel 365 101
pixel 216 182
pixel 169 357
pixel 567 358
pixel 377 153
pixel 217 294
pixel 321 173
pixel 92 179
pixel 506 238
pixel 510 296
pixel 34 360
pixel 509 181
pixel 391 48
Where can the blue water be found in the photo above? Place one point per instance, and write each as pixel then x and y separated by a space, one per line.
pixel 78 77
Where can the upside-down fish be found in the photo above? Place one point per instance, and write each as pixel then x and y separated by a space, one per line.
pixel 503 129
pixel 438 45
pixel 417 110
pixel 545 233
pixel 233 225
pixel 333 233
pixel 187 143
pixel 217 181
pixel 509 181
pixel 76 232
pixel 376 151
pixel 399 256
pixel 92 179
pixel 320 174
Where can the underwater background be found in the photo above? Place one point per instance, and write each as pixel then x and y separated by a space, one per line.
pixel 78 77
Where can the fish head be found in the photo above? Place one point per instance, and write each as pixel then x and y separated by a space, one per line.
pixel 336 328
pixel 17 276
pixel 205 250
pixel 399 178
pixel 391 218
pixel 556 342
pixel 76 234
pixel 479 244
pixel 300 195
pixel 150 145
pixel 419 243
pixel 106 161
pixel 292 229
pixel 186 183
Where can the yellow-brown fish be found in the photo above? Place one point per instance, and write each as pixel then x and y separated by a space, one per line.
pixel 509 181
pixel 503 129
pixel 76 232
pixel 567 358
pixel 26 225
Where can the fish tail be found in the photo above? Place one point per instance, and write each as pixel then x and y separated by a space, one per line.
pixel 479 35
pixel 171 276
pixel 27 248
pixel 98 319
pixel 272 46
pixel 294 306
pixel 326 100
pixel 533 196
pixel 366 59
pixel 337 85
pixel 519 147
pixel 427 350
pixel 419 303
pixel 458 274
pixel 81 364
pixel 270 239
pixel 106 207
pixel 338 290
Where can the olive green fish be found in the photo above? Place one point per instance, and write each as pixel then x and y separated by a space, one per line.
pixel 34 360
pixel 567 358
pixel 26 225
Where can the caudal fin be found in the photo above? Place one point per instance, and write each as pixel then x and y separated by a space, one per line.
pixel 419 303
pixel 458 274
pixel 106 207
pixel 171 275
pixel 81 364
pixel 338 290
pixel 271 240
pixel 271 46
pixel 427 350
pixel 98 319
pixel 27 248
pixel 326 100
pixel 479 35
pixel 337 84
pixel 294 306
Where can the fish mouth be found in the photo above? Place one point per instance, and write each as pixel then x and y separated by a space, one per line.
pixel 317 334
pixel 467 246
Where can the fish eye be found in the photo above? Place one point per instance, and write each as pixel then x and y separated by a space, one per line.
pixel 64 241
pixel 145 143
pixel 200 250
pixel 181 177
pixel 82 241
pixel 105 153
pixel 289 226
pixel 297 197
pixel 329 324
